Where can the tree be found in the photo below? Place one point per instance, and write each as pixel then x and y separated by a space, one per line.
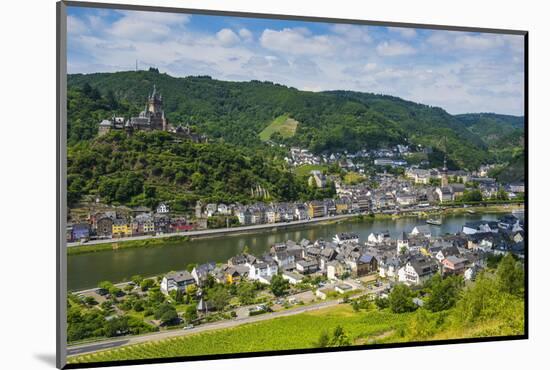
pixel 381 303
pixel 147 284
pixel 502 194
pixel 472 196
pixel 323 340
pixel 190 313
pixel 510 275
pixel 166 313
pixel 138 306
pixel 279 286
pixel 400 299
pixel 421 326
pixel 246 292
pixel 116 326
pixel 339 338
pixel 444 292
pixel 105 285
pixel 191 290
pixel 219 297
pixel 137 279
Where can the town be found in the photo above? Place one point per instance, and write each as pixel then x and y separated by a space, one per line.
pixel 416 190
pixel 296 275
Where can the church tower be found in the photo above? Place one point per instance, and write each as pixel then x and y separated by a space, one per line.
pixel 444 177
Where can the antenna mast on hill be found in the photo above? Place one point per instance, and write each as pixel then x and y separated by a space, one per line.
pixel 136 65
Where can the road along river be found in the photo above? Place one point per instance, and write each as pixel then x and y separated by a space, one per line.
pixel 86 270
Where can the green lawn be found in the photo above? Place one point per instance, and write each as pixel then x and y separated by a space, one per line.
pixel 293 332
pixel 283 124
pixel 305 169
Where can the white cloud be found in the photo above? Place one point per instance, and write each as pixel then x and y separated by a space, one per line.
pixel 145 26
pixel 246 35
pixel 370 67
pixel 75 26
pixel 296 41
pixel 227 37
pixel 353 33
pixel 462 72
pixel 394 48
pixel 407 33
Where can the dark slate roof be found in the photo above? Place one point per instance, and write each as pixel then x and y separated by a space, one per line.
pixel 366 258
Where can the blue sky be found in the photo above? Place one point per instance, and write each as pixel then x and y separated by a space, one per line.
pixel 458 71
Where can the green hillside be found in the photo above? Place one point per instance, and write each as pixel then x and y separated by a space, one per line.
pixel 283 125
pixel 237 112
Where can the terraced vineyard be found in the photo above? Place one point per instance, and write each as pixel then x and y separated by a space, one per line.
pixel 284 125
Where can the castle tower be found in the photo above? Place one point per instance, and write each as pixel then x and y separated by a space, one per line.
pixel 154 104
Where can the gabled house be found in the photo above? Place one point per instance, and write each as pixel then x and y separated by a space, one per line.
pixel 422 230
pixel 235 274
pixel 346 238
pixel 337 269
pixel 200 273
pixel 163 208
pixel 179 280
pixel 418 270
pixel 307 266
pixel 262 271
pixel 366 264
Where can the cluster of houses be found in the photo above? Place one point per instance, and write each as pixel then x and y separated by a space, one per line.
pixel 130 222
pixel 392 157
pixel 412 258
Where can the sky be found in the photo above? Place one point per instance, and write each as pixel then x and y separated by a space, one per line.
pixel 462 72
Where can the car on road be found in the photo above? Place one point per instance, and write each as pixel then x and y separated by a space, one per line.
pixel 190 326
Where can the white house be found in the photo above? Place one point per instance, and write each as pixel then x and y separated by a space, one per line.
pixel 262 271
pixel 211 209
pixel 223 209
pixel 388 267
pixel 176 281
pixel 346 238
pixel 422 230
pixel 417 271
pixel 378 238
pixel 163 208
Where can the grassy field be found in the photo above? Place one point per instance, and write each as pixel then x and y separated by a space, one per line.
pixel 284 125
pixel 352 178
pixel 292 332
pixel 305 169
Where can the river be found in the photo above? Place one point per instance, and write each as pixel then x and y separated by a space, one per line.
pixel 86 270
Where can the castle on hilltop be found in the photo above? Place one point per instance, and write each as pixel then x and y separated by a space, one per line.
pixel 151 118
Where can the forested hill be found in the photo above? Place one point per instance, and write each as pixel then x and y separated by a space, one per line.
pixel 236 112
pixel 495 129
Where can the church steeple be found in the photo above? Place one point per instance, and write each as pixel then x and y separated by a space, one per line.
pixel 444 178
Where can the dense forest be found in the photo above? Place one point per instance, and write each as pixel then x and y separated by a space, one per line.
pixel 150 167
pixel 505 138
pixel 236 112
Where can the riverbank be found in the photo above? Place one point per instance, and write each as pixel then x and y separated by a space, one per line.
pixel 116 245
pixel 149 241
